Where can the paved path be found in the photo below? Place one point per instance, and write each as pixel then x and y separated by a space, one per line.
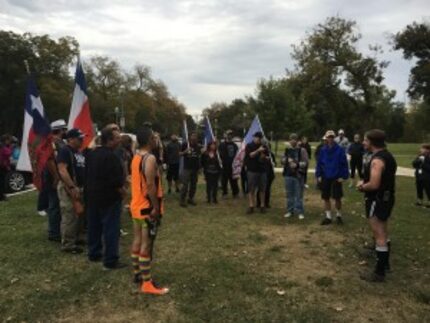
pixel 401 171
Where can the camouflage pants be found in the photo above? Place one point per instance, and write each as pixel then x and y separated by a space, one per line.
pixel 71 224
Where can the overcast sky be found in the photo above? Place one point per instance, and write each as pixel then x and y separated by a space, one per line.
pixel 208 50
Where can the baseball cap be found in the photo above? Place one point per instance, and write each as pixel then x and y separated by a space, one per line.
pixel 258 134
pixel 75 133
pixel 58 124
pixel 341 132
pixel 330 133
pixel 294 136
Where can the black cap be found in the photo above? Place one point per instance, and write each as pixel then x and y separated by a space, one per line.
pixel 75 133
pixel 258 134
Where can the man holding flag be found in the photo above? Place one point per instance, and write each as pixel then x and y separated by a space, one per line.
pixel 191 153
pixel 254 154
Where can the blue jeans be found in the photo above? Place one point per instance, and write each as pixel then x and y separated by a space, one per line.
pixel 54 214
pixel 294 187
pixel 104 223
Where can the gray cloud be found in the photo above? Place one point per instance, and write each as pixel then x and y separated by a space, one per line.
pixel 210 50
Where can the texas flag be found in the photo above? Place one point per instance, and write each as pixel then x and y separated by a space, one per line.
pixel 240 156
pixel 36 147
pixel 80 116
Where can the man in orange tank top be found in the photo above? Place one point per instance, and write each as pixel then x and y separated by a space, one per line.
pixel 146 208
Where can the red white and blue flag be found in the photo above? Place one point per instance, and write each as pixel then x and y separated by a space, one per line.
pixel 36 146
pixel 80 116
pixel 240 156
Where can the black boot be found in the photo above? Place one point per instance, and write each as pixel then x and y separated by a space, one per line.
pixel 378 276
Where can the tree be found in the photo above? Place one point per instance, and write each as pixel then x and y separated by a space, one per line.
pixel 414 41
pixel 337 82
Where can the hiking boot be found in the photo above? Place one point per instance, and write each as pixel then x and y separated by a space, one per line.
pixel 149 287
pixel 54 239
pixel 191 202
pixel 339 220
pixel 372 277
pixel 326 221
pixel 250 210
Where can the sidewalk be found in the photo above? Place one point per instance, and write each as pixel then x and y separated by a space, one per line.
pixel 401 171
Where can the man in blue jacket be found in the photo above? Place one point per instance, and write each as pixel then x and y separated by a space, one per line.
pixel 331 171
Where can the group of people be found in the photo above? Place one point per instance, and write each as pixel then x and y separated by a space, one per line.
pixel 87 189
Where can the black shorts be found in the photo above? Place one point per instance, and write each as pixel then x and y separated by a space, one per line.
pixel 331 188
pixel 256 181
pixel 379 207
pixel 172 172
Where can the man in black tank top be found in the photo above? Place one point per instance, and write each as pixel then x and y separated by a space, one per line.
pixel 379 191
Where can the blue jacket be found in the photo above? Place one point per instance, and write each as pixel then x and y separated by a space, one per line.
pixel 332 163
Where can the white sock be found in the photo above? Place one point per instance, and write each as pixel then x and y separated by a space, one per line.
pixel 328 214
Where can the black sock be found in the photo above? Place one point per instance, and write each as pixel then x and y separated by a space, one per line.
pixel 382 260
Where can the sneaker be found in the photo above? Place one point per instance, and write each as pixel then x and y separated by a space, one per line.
pixel 250 210
pixel 326 221
pixel 73 250
pixel 339 220
pixel 123 233
pixel 372 277
pixel 117 265
pixel 149 287
pixel 42 213
pixel 288 215
pixel 301 217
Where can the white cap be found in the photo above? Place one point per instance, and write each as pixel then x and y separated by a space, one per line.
pixel 341 132
pixel 58 124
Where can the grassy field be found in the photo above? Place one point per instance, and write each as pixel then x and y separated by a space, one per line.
pixel 404 153
pixel 224 266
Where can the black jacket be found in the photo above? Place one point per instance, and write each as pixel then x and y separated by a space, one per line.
pixel 422 168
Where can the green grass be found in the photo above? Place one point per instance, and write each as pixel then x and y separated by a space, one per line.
pixel 404 153
pixel 224 266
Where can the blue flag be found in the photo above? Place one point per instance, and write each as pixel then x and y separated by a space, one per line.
pixel 208 134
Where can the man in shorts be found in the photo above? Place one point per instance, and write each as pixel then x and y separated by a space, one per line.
pixel 256 155
pixel 146 209
pixel 378 187
pixel 331 171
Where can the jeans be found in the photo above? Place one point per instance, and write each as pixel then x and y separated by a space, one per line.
pixel 54 214
pixel 189 183
pixel 294 188
pixel 104 223
pixel 227 176
pixel 212 187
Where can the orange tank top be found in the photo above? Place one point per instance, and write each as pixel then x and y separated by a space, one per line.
pixel 140 205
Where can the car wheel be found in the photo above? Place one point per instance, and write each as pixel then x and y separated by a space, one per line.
pixel 15 181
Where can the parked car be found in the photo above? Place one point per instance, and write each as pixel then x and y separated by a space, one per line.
pixel 16 180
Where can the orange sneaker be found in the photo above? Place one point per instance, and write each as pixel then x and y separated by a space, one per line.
pixel 148 287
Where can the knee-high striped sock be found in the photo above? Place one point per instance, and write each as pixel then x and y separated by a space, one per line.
pixel 145 267
pixel 135 262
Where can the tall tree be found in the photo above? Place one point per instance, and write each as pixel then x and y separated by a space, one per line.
pixel 414 41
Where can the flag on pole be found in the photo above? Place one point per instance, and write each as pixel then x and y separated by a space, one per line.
pixel 80 116
pixel 208 134
pixel 184 139
pixel 36 147
pixel 240 156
